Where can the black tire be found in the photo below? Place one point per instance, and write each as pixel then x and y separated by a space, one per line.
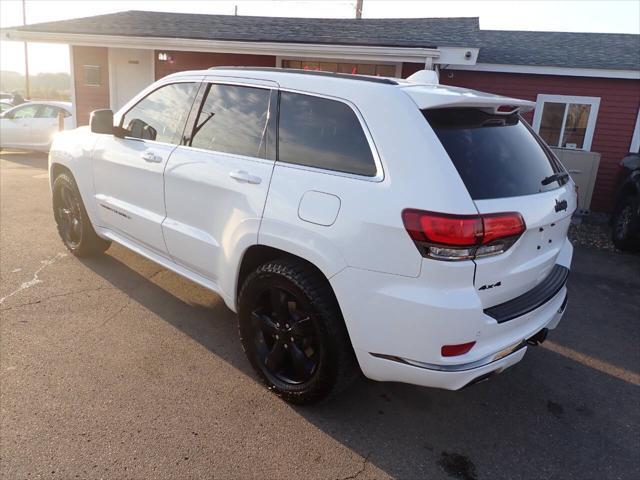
pixel 74 226
pixel 312 325
pixel 625 224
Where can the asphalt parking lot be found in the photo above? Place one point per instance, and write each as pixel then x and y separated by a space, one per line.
pixel 116 368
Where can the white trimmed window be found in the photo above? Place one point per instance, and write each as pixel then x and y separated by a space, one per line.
pixel 566 121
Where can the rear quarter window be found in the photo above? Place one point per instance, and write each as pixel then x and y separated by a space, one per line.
pixel 496 156
pixel 322 133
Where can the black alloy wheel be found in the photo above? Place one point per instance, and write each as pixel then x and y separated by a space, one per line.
pixel 284 336
pixel 69 216
pixel 74 226
pixel 293 333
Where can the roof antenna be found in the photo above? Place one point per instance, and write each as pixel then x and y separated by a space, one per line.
pixel 235 10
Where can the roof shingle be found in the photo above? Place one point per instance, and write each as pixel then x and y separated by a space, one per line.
pixel 393 32
pixel 557 49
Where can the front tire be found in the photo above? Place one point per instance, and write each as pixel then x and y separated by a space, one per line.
pixel 625 224
pixel 74 226
pixel 293 333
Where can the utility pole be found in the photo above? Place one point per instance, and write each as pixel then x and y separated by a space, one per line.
pixel 26 53
pixel 359 8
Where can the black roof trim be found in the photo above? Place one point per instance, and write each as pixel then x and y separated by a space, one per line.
pixel 318 73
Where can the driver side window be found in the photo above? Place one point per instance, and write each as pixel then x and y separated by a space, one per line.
pixel 161 115
pixel 28 111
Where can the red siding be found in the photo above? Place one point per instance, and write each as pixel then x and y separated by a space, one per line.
pixel 619 103
pixel 90 97
pixel 181 61
pixel 411 68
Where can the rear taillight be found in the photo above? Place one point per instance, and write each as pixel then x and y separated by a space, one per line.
pixel 462 237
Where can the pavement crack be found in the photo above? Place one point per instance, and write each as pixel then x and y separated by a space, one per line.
pixel 57 295
pixel 36 279
pixel 361 470
pixel 114 315
pixel 155 274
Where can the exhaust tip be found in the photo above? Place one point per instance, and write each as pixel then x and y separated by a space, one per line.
pixel 538 338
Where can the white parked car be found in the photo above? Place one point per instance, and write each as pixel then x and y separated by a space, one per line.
pixel 416 231
pixel 31 125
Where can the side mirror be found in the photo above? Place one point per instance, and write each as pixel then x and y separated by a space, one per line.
pixel 101 121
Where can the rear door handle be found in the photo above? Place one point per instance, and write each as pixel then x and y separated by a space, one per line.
pixel 245 177
pixel 151 157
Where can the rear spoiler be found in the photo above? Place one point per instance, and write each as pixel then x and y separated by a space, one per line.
pixel 442 96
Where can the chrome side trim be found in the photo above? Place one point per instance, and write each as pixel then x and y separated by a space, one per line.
pixel 494 357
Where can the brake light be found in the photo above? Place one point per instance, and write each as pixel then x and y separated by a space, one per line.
pixel 501 225
pixel 462 237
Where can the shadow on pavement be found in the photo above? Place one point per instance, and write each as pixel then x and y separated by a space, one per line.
pixel 548 416
pixel 25 158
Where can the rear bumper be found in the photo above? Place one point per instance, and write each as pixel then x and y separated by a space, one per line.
pixel 398 325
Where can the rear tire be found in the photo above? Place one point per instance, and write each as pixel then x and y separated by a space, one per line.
pixel 293 333
pixel 74 226
pixel 625 223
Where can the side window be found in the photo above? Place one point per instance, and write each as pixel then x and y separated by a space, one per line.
pixel 233 119
pixel 28 111
pixel 322 133
pixel 48 111
pixel 161 115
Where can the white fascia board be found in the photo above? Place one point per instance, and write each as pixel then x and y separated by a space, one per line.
pixel 541 70
pixel 355 52
pixel 461 56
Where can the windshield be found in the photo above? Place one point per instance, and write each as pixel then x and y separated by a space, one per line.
pixel 496 156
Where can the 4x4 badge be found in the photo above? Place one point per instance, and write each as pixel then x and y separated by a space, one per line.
pixel 487 287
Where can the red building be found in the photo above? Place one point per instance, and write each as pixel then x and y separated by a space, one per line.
pixel 586 86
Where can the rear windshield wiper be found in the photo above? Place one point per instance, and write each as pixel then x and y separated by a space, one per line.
pixel 560 177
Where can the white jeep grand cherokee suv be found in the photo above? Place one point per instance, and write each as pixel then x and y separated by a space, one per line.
pixel 416 231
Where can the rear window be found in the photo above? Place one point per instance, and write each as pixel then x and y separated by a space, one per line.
pixel 496 156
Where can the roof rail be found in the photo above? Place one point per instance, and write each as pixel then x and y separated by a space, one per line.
pixel 318 73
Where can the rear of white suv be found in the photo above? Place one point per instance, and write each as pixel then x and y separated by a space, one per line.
pixel 491 281
pixel 418 231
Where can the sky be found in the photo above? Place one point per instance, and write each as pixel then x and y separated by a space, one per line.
pixel 608 16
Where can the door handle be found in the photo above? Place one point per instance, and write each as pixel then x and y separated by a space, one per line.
pixel 151 157
pixel 245 177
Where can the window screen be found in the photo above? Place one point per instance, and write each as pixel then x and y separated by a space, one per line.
pixel 496 156
pixel 322 133
pixel 564 124
pixel 91 75
pixel 233 119
pixel 379 70
pixel 161 115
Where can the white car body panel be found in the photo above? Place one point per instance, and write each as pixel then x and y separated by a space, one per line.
pixel 33 133
pixel 129 191
pixel 192 213
pixel 203 242
pixel 530 260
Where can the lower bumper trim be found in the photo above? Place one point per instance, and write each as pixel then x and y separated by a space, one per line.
pixel 458 367
pixel 531 300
